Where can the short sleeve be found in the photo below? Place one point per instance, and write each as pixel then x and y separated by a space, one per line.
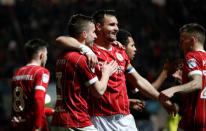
pixel 42 79
pixel 87 72
pixel 193 64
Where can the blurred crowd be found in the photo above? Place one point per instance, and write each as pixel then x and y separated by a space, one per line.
pixel 153 24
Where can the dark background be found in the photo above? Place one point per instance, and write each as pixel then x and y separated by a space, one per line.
pixel 153 24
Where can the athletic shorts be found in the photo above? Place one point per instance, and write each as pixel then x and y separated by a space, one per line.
pixel 116 122
pixel 87 128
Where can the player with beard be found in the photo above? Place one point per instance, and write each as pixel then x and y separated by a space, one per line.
pixel 76 81
pixel 111 111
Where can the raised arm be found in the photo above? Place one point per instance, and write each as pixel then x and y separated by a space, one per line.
pixel 70 43
pixel 168 69
pixel 194 84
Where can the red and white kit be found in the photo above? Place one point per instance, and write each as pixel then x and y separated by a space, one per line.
pixel 115 99
pixel 194 104
pixel 73 77
pixel 29 86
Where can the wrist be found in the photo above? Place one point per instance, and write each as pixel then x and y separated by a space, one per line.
pixel 85 49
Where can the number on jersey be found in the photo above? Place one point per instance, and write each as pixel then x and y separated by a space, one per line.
pixel 18 104
pixel 59 85
pixel 203 94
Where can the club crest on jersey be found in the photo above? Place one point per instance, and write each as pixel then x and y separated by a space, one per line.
pixel 191 63
pixel 119 56
pixel 45 78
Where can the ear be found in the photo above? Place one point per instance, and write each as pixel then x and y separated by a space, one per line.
pixel 98 26
pixel 84 34
pixel 193 39
pixel 41 55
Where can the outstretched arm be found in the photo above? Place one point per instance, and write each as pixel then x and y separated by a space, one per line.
pixel 194 84
pixel 144 86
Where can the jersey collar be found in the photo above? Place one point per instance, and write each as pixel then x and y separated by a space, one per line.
pixel 110 49
pixel 31 64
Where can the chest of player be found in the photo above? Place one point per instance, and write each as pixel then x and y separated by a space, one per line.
pixel 108 56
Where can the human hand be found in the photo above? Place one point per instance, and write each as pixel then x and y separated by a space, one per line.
pixel 110 68
pixel 178 75
pixel 116 43
pixel 91 57
pixel 137 104
pixel 166 94
pixel 170 107
pixel 173 66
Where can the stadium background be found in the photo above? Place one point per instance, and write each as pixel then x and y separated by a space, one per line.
pixel 154 25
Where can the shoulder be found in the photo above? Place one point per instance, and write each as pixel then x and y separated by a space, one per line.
pixel 42 70
pixel 117 45
pixel 193 55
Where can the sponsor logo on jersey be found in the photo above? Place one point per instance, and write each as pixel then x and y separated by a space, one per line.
pixel 119 56
pixel 45 78
pixel 192 63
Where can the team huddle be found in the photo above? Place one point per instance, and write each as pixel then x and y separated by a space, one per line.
pixel 92 72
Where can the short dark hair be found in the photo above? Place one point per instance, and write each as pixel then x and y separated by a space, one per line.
pixel 122 37
pixel 98 16
pixel 194 29
pixel 33 46
pixel 77 24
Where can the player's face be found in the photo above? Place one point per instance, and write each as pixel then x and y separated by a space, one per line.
pixel 185 42
pixel 130 48
pixel 110 28
pixel 44 57
pixel 91 35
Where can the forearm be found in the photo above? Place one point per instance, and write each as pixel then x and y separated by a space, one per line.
pixel 38 107
pixel 146 88
pixel 143 85
pixel 101 85
pixel 67 42
pixel 188 87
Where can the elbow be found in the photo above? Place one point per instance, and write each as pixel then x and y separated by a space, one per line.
pixel 60 39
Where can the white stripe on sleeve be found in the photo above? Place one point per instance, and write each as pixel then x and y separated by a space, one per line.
pixel 40 88
pixel 92 81
pixel 195 72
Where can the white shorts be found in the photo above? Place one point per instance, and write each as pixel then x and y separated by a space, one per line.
pixel 87 128
pixel 116 122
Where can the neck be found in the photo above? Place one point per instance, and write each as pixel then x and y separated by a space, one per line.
pixel 103 43
pixel 82 41
pixel 34 62
pixel 196 47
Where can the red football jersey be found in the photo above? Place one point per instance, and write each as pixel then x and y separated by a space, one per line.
pixel 194 104
pixel 73 77
pixel 25 81
pixel 115 98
